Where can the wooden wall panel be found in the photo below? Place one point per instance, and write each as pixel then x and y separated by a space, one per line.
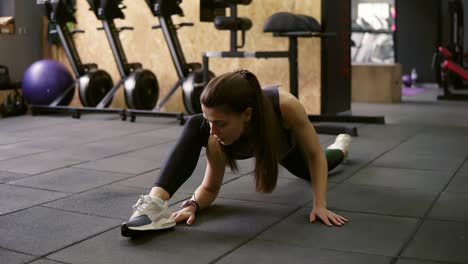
pixel 148 47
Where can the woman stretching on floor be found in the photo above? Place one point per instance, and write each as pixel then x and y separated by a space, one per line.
pixel 240 120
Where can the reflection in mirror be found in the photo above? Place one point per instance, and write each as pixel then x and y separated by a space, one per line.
pixel 373 24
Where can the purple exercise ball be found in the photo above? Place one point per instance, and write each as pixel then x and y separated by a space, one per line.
pixel 45 80
pixel 407 81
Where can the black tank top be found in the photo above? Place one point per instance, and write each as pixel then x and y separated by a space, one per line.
pixel 243 148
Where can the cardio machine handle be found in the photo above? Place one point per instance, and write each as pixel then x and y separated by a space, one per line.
pixel 74 31
pixel 177 26
pixel 185 24
pixel 120 29
pixel 126 28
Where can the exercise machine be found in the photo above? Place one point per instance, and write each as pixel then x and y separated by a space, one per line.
pixel 215 11
pixel 190 75
pixel 141 87
pixel 94 84
pixel 452 76
pixel 280 24
pixel 448 61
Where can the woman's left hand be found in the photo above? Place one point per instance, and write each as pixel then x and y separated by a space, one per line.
pixel 327 217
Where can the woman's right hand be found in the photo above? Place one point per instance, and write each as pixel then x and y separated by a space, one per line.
pixel 186 213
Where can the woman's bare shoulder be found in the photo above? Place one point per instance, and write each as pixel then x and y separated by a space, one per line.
pixel 291 108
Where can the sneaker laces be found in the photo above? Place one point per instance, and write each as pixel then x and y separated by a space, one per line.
pixel 147 204
pixel 139 202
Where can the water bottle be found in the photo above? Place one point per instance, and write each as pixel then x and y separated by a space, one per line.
pixel 414 76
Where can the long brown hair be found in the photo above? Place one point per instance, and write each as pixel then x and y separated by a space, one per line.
pixel 236 91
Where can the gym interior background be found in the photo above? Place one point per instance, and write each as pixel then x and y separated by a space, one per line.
pixel 426 21
pixel 148 46
pixel 404 186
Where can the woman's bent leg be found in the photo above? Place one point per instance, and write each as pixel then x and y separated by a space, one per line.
pixel 296 161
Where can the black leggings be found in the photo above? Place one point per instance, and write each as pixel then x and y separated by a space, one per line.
pixel 182 160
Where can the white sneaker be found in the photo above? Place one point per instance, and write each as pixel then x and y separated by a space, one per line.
pixel 342 142
pixel 150 213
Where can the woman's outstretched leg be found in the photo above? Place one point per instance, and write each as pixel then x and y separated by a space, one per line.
pixel 151 211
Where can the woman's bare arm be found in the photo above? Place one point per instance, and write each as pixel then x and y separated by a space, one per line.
pixel 296 119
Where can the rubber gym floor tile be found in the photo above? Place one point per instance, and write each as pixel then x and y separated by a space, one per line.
pixel 14 198
pixel 459 183
pixel 364 233
pixel 119 145
pixel 70 154
pixel 287 191
pixel 388 131
pixel 80 132
pixel 370 148
pixel 426 144
pixel 6 176
pixel 6 139
pixel 380 200
pixel 433 147
pixel 237 218
pixel 415 261
pixel 453 134
pixel 50 142
pixel 122 164
pixel 165 132
pixel 464 168
pixel 440 241
pixel 346 169
pixel 112 128
pixel 37 163
pixel 451 206
pixel 41 230
pixel 403 159
pixel 167 246
pixel 135 162
pixel 14 151
pixel 71 180
pixel 456 130
pixel 31 123
pixel 45 261
pixel 269 252
pixel 423 180
pixel 11 257
pixel 111 201
pixel 82 153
